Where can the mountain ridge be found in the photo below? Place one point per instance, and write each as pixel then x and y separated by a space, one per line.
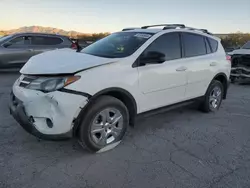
pixel 42 29
pixel 72 33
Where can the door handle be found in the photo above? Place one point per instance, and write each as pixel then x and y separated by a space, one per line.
pixel 30 50
pixel 181 69
pixel 213 64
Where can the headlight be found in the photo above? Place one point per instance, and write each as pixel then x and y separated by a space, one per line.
pixel 48 84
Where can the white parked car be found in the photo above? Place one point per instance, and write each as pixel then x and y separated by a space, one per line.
pixel 96 93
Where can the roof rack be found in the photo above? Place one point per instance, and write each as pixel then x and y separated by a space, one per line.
pixel 165 25
pixel 202 30
pixel 170 26
pixel 131 28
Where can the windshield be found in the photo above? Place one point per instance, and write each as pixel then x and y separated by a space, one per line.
pixel 118 45
pixel 246 46
pixel 229 49
pixel 5 37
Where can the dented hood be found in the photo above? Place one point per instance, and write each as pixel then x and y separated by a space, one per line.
pixel 64 61
pixel 240 51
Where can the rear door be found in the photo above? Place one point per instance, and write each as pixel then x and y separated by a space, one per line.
pixel 197 61
pixel 16 51
pixel 45 43
pixel 165 83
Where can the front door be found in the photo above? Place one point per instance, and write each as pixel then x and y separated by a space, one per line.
pixel 165 83
pixel 16 52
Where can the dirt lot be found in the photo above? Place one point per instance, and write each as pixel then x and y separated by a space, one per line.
pixel 180 148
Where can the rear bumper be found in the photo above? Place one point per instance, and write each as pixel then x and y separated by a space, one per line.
pixel 17 110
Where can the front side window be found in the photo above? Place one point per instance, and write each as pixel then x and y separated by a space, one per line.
pixel 246 46
pixel 118 45
pixel 194 45
pixel 168 45
pixel 22 40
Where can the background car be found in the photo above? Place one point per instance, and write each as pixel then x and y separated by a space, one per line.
pixel 80 43
pixel 230 49
pixel 17 49
pixel 240 62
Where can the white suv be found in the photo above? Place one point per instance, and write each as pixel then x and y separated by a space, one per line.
pixel 96 93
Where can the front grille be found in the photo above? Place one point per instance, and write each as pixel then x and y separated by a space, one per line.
pixel 23 84
pixel 26 80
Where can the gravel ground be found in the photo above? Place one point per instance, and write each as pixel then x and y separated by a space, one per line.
pixel 179 148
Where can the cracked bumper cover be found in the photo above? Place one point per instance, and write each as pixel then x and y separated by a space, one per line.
pixel 32 108
pixel 18 112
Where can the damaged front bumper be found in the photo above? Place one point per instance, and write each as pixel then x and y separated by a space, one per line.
pixel 18 112
pixel 240 72
pixel 48 116
pixel 240 66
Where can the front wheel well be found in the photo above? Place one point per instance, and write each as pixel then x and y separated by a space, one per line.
pixel 118 93
pixel 128 100
pixel 223 79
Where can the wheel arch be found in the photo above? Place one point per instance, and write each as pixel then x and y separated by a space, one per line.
pixel 119 93
pixel 222 77
pixel 125 96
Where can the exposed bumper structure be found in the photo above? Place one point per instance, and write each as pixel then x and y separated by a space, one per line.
pixel 240 72
pixel 48 116
pixel 240 66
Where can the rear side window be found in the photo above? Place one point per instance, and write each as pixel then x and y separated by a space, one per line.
pixel 194 45
pixel 168 44
pixel 213 44
pixel 41 40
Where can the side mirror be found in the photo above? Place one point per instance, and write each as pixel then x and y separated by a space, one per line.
pixel 152 57
pixel 7 44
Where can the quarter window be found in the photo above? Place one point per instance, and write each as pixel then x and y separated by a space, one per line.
pixel 209 51
pixel 194 45
pixel 213 43
pixel 167 44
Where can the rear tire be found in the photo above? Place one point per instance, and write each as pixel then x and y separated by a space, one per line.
pixel 213 97
pixel 104 124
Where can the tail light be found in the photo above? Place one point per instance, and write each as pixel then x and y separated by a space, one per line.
pixel 228 57
pixel 74 46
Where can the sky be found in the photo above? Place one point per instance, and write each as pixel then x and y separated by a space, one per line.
pixel 218 16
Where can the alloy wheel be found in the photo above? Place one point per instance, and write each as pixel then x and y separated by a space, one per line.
pixel 107 126
pixel 215 98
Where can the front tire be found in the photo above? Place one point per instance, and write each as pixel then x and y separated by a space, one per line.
pixel 104 124
pixel 213 97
